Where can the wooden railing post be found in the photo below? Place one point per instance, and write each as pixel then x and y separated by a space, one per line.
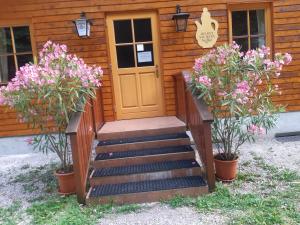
pixel 210 171
pixel 81 133
pixel 80 187
pixel 98 113
pixel 198 118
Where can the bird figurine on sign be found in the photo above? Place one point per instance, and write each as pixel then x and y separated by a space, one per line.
pixel 207 30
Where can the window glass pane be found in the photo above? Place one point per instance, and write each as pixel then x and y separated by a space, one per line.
pixel 243 42
pixel 125 55
pixel 142 30
pixel 257 42
pixel 257 21
pixel 239 23
pixel 123 31
pixel 23 59
pixel 22 39
pixel 145 57
pixel 7 68
pixel 5 40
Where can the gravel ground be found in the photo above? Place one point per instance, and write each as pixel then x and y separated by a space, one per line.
pixel 158 214
pixel 13 165
pixel 283 153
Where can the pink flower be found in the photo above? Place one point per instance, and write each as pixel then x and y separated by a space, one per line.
pixel 187 77
pixel 205 80
pixel 221 93
pixel 198 64
pixel 29 141
pixel 287 58
pixel 254 129
pixel 242 88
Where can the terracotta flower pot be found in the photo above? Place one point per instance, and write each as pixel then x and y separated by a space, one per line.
pixel 66 182
pixel 226 170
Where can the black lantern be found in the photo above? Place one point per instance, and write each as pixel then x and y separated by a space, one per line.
pixel 83 26
pixel 180 19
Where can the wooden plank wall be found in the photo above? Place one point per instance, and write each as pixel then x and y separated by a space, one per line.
pixel 52 19
pixel 286 25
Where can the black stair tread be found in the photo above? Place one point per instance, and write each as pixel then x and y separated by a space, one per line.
pixel 144 152
pixel 147 186
pixel 144 168
pixel 143 139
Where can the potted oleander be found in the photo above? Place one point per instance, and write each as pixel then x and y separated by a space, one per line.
pixel 238 88
pixel 45 95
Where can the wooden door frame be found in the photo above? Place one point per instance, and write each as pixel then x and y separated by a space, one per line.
pixel 129 14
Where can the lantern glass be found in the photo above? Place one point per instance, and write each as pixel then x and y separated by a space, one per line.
pixel 180 19
pixel 181 24
pixel 81 26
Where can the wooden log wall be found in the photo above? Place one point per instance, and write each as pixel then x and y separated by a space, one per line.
pixel 52 20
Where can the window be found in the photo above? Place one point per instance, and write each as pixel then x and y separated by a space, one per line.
pixel 15 50
pixel 134 44
pixel 249 25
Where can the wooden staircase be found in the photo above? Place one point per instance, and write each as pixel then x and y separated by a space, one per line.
pixel 144 160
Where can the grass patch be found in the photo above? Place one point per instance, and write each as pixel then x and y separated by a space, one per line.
pixel 277 206
pixel 65 211
pixel 247 177
pixel 275 173
pixel 128 208
pixel 180 201
pixel 252 208
pixel 38 178
pixel 9 215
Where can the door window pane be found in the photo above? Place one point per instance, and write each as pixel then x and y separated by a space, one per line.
pixel 257 21
pixel 123 31
pixel 257 42
pixel 5 40
pixel 243 42
pixel 145 58
pixel 24 59
pixel 22 39
pixel 142 30
pixel 239 23
pixel 125 55
pixel 7 68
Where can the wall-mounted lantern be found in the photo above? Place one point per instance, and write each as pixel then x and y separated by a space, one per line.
pixel 83 26
pixel 180 19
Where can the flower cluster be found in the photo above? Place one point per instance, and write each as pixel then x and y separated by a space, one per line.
pixel 205 81
pixel 254 129
pixel 58 77
pixel 44 96
pixel 242 92
pixel 55 65
pixel 238 88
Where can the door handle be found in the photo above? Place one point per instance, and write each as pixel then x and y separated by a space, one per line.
pixel 157 71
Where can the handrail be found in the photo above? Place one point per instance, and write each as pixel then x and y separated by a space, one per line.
pixel 81 131
pixel 194 112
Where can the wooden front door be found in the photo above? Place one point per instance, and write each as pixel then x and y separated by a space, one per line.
pixel 133 42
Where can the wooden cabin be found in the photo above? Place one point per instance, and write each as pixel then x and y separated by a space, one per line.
pixel 141 52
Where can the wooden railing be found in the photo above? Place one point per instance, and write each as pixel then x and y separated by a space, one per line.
pixel 198 119
pixel 98 114
pixel 81 131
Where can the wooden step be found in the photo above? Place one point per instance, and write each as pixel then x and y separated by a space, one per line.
pixel 146 126
pixel 147 191
pixel 141 172
pixel 137 143
pixel 143 156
